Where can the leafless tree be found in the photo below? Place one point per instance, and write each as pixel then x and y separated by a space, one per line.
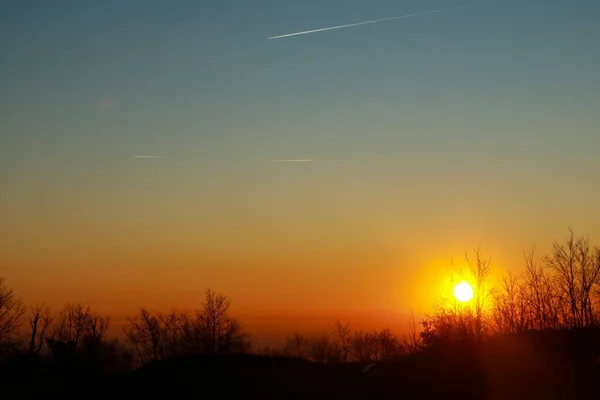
pixel 588 274
pixel 480 269
pixel 156 336
pixel 78 325
pixel 40 319
pixel 412 342
pixel 388 345
pixel 341 333
pixel 375 346
pixel 447 327
pixel 297 346
pixel 541 296
pixel 173 328
pixel 145 333
pixel 76 337
pixel 321 348
pixel 507 314
pixel 221 332
pixel 11 313
pixel 360 346
pixel 576 267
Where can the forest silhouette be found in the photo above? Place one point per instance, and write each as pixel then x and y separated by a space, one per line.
pixel 536 335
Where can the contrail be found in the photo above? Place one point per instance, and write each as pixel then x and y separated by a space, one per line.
pixel 365 22
pixel 148 156
pixel 295 160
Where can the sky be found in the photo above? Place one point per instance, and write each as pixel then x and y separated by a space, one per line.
pixel 431 135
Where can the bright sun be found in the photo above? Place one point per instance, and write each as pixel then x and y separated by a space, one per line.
pixel 463 291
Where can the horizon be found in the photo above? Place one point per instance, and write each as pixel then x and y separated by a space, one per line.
pixel 271 328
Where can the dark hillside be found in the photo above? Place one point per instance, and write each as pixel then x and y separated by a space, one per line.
pixel 463 371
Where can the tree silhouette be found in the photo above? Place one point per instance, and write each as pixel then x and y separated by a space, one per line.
pixel 76 340
pixel 412 340
pixel 76 325
pixel 375 346
pixel 156 336
pixel 576 269
pixel 297 346
pixel 145 333
pixel 480 269
pixel 40 319
pixel 342 334
pixel 11 311
pixel 220 332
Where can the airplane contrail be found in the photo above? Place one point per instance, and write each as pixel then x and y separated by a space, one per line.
pixel 294 160
pixel 364 23
pixel 148 156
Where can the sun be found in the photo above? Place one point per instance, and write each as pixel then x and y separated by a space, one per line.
pixel 463 292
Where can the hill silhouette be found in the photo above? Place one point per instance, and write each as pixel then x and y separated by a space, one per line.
pixel 470 370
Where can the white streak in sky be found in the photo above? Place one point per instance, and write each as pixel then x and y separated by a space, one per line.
pixel 148 156
pixel 364 23
pixel 294 160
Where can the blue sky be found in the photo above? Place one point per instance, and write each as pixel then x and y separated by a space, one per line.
pixel 193 73
pixel 486 114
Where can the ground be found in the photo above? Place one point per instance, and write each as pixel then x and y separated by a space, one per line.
pixel 498 371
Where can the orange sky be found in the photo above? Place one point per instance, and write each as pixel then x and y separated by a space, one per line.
pixel 371 280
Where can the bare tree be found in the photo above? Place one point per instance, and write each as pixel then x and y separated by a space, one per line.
pixel 563 263
pixel 221 332
pixel 362 347
pixel 174 326
pixel 76 335
pixel 507 313
pixel 40 319
pixel 145 333
pixel 541 296
pixel 156 336
pixel 341 333
pixel 576 269
pixel 297 346
pixel 344 347
pixel 587 277
pixel 480 268
pixel 11 311
pixel 375 346
pixel 69 324
pixel 412 342
pixel 94 330
pixel 388 345
pixel 320 347
pixel 77 325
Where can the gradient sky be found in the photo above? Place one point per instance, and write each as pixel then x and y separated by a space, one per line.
pixel 432 135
